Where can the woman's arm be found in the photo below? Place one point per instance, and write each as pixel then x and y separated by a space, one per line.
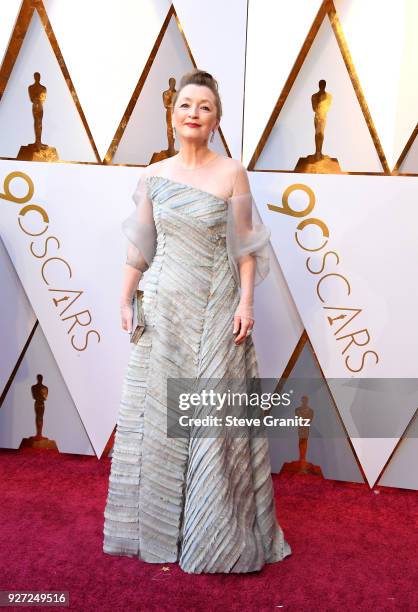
pixel 244 314
pixel 247 243
pixel 131 278
pixel 141 232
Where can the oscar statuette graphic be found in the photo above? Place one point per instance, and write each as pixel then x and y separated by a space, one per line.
pixel 301 465
pixel 318 162
pixel 37 151
pixel 168 95
pixel 39 394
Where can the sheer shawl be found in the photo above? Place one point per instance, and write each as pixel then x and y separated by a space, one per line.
pixel 245 232
pixel 226 179
pixel 140 229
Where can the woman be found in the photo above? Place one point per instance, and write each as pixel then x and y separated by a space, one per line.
pixel 206 502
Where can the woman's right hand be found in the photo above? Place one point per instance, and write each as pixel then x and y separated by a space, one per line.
pixel 126 315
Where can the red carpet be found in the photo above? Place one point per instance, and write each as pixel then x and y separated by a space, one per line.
pixel 352 548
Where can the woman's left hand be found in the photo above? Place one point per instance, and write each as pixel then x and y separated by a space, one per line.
pixel 243 321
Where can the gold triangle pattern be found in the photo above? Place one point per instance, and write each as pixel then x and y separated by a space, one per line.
pixel 18 35
pixel 326 10
pixel 404 153
pixel 137 91
pixel 303 341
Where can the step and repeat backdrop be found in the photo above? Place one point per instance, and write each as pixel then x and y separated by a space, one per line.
pixel 321 110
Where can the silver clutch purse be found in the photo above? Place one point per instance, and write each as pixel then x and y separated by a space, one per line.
pixel 138 323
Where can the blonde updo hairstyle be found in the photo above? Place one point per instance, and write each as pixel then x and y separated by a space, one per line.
pixel 201 77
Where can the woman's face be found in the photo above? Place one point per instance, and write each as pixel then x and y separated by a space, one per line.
pixel 194 114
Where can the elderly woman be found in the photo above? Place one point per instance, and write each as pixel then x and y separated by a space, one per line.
pixel 204 500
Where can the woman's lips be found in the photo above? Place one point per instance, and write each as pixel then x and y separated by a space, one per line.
pixel 192 124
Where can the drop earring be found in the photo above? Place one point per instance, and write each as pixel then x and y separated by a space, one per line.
pixel 174 131
pixel 213 134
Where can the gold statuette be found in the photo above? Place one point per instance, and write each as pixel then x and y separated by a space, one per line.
pixel 302 465
pixel 318 162
pixel 168 96
pixel 37 151
pixel 39 394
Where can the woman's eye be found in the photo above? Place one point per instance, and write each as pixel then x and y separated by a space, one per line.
pixel 206 108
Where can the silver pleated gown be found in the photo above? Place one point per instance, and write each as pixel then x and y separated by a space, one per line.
pixel 205 502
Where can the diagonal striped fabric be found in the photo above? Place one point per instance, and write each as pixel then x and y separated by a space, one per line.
pixel 206 503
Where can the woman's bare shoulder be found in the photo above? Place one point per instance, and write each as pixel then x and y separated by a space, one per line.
pixel 230 165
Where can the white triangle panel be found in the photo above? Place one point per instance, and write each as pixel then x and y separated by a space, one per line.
pixel 62 127
pixel 372 229
pixel 61 421
pixel 347 136
pixel 106 45
pixel 146 131
pixel 275 35
pixel 373 454
pixel 76 298
pixel 385 70
pixel 215 32
pixel 371 233
pixel 328 447
pixel 367 409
